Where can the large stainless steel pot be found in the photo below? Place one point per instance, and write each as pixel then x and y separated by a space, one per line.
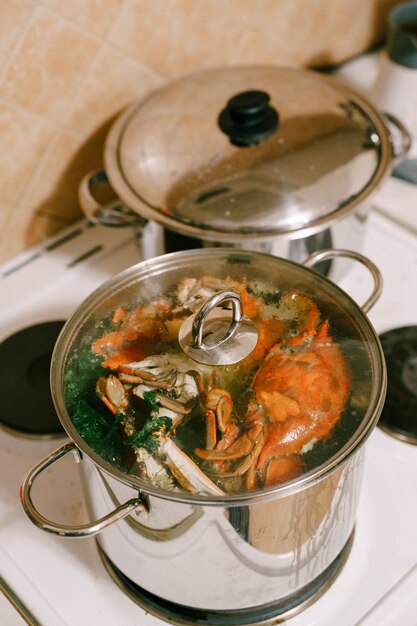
pixel 234 555
pixel 272 159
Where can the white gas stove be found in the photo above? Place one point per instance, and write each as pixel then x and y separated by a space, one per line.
pixel 55 581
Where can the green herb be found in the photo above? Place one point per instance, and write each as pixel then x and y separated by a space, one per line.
pixel 270 297
pixel 150 396
pixel 99 430
pixel 147 436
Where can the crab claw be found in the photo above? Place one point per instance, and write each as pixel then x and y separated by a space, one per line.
pixel 282 469
pixel 112 393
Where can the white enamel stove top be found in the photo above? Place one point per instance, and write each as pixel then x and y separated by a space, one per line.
pixel 63 582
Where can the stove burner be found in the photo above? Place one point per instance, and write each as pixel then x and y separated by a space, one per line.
pixel 264 615
pixel 26 407
pixel 399 415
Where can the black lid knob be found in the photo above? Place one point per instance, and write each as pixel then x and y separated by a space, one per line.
pixel 248 119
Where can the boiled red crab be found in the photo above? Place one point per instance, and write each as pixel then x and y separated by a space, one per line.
pixel 299 393
pixel 299 389
pixel 167 462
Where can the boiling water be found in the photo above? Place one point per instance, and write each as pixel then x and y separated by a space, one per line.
pixel 278 318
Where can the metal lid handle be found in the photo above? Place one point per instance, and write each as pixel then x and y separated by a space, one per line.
pixel 216 300
pixel 213 337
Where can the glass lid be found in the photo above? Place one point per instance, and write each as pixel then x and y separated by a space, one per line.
pixel 247 152
pixel 299 397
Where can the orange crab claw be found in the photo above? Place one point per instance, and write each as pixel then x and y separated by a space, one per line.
pixel 112 393
pixel 282 469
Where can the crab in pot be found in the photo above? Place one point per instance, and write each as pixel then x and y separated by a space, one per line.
pixel 299 386
pixel 299 392
pixel 170 393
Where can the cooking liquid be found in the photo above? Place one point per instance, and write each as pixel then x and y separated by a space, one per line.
pixel 103 431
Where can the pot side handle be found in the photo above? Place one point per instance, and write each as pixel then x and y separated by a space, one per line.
pixel 400 137
pixel 84 530
pixel 323 255
pixel 114 213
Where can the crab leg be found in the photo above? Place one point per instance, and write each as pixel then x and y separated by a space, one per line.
pixel 151 370
pixel 188 474
pixel 154 470
pixel 249 460
pixel 211 429
pixel 198 381
pixel 148 375
pixel 171 404
pixel 169 455
pixel 241 447
pixel 186 388
pixel 131 379
pixel 219 407
pixel 212 409
pixel 168 461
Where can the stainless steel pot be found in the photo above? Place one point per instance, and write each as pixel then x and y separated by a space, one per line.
pixel 236 554
pixel 276 160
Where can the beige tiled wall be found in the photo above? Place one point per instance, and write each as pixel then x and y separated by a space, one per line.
pixel 67 67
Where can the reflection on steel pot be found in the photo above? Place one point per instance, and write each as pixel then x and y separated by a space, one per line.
pixel 257 512
pixel 271 159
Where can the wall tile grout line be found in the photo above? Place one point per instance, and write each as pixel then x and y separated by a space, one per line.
pixel 98 39
pixel 24 196
pixel 64 126
pixel 79 27
pixel 68 68
pixel 92 36
pixel 9 102
pixel 22 200
pixel 54 136
pixel 85 80
pixel 13 53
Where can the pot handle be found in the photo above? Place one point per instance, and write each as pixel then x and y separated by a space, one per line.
pixel 84 530
pixel 400 137
pixel 114 213
pixel 323 255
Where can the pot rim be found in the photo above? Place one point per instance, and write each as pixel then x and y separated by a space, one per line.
pixel 142 207
pixel 131 275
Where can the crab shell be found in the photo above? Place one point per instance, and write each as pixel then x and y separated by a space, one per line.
pixel 301 395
